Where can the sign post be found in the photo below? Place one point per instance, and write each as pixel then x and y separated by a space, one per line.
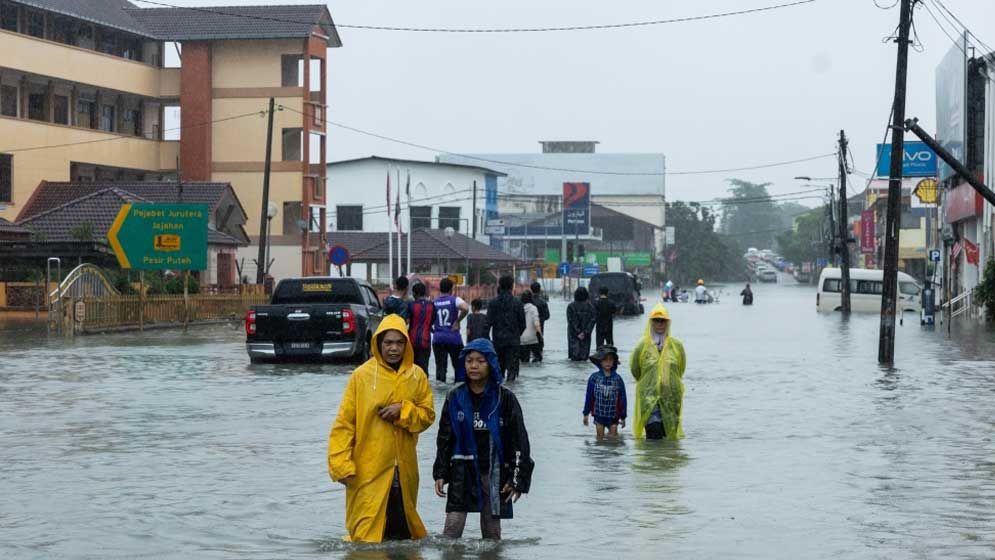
pixel 161 237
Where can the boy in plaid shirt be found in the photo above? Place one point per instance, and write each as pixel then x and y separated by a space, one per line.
pixel 605 398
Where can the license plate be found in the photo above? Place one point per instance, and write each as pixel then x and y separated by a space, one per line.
pixel 300 345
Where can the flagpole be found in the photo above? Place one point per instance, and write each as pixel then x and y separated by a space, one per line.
pixel 407 192
pixel 397 217
pixel 390 236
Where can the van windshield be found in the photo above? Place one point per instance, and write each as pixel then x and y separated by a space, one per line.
pixel 615 284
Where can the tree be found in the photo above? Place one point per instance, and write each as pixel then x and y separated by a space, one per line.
pixel 806 241
pixel 749 216
pixel 698 251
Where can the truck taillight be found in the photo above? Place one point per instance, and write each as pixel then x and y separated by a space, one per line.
pixel 250 322
pixel 348 321
pixel 817 298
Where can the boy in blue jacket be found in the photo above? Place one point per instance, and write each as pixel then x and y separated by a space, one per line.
pixel 605 393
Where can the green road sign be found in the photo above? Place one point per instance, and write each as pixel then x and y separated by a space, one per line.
pixel 160 236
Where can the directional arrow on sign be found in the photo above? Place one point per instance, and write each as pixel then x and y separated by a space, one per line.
pixel 160 236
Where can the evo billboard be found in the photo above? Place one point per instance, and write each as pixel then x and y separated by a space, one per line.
pixel 919 161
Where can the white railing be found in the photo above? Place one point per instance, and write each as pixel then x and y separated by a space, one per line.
pixel 964 301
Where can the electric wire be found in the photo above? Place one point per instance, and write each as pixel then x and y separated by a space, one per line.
pixel 560 169
pixel 483 30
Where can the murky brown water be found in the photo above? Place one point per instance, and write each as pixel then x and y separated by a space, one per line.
pixel 172 446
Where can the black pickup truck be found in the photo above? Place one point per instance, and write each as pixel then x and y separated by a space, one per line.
pixel 314 318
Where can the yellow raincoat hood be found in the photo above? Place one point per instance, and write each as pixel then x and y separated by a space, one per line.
pixel 659 377
pixel 367 448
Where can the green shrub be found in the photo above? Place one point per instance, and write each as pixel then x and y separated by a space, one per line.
pixel 984 292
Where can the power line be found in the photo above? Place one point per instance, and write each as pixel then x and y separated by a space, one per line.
pixel 560 169
pixel 116 138
pixel 966 28
pixel 465 30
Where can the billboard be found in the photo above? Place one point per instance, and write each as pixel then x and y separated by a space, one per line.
pixel 951 96
pixel 919 160
pixel 867 231
pixel 576 208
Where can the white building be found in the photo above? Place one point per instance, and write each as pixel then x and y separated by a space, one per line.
pixel 632 184
pixel 441 194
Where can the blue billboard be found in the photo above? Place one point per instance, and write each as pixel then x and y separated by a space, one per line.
pixel 919 160
pixel 576 208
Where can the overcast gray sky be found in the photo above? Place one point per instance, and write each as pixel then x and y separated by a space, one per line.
pixel 722 93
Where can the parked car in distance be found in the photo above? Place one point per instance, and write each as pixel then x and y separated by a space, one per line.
pixel 623 289
pixel 865 291
pixel 767 275
pixel 314 318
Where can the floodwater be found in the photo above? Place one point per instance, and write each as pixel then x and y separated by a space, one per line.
pixel 171 445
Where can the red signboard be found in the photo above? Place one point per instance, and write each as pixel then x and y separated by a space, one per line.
pixel 867 231
pixel 963 202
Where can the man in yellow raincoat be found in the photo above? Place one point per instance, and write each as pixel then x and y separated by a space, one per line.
pixel 658 363
pixel 371 449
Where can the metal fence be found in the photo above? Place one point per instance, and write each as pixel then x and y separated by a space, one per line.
pixel 115 312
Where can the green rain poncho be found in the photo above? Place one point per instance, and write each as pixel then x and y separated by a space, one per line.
pixel 659 378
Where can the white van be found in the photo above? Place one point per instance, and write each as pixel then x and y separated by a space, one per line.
pixel 865 291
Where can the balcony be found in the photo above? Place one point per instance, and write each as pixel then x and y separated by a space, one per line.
pixel 74 64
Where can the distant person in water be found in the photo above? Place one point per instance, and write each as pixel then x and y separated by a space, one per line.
pixel 747 294
pixel 581 320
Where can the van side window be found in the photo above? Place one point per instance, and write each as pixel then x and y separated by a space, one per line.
pixel 908 288
pixel 831 285
pixel 872 287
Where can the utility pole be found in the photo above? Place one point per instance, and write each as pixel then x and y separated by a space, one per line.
pixel 886 340
pixel 844 246
pixel 473 211
pixel 261 264
pixel 831 210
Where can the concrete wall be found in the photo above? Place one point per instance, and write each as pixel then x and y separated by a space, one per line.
pixel 65 62
pixel 52 164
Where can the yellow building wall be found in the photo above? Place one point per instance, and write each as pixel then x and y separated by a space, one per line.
pixel 283 187
pixel 52 164
pixel 47 58
pixel 250 64
pixel 243 140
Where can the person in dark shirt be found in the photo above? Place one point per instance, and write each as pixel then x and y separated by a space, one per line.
pixel 581 318
pixel 606 319
pixel 747 294
pixel 482 447
pixel 506 321
pixel 397 302
pixel 420 328
pixel 476 322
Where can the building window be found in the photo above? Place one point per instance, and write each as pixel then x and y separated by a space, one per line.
pixel 60 109
pixel 8 101
pixel 85 111
pixel 291 70
pixel 421 217
pixel 292 222
pixel 107 118
pixel 8 17
pixel 36 107
pixel 106 41
pixel 292 140
pixel 349 218
pixel 135 116
pixel 131 49
pixel 36 24
pixel 449 217
pixel 6 177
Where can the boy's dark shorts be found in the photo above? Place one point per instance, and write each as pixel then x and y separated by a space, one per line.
pixel 608 422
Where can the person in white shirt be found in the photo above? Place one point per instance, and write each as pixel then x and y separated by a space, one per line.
pixel 701 292
pixel 533 327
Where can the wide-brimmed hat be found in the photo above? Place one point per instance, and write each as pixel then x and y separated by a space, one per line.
pixel 602 352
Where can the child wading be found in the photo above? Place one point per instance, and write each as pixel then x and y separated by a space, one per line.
pixel 476 321
pixel 605 393
pixel 482 447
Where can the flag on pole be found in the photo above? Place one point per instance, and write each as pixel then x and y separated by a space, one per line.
pixel 397 210
pixel 388 193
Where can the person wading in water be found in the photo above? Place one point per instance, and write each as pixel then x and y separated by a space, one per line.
pixel 657 364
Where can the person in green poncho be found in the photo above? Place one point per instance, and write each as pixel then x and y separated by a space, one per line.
pixel 658 363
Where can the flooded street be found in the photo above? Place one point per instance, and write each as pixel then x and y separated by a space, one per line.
pixel 171 445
